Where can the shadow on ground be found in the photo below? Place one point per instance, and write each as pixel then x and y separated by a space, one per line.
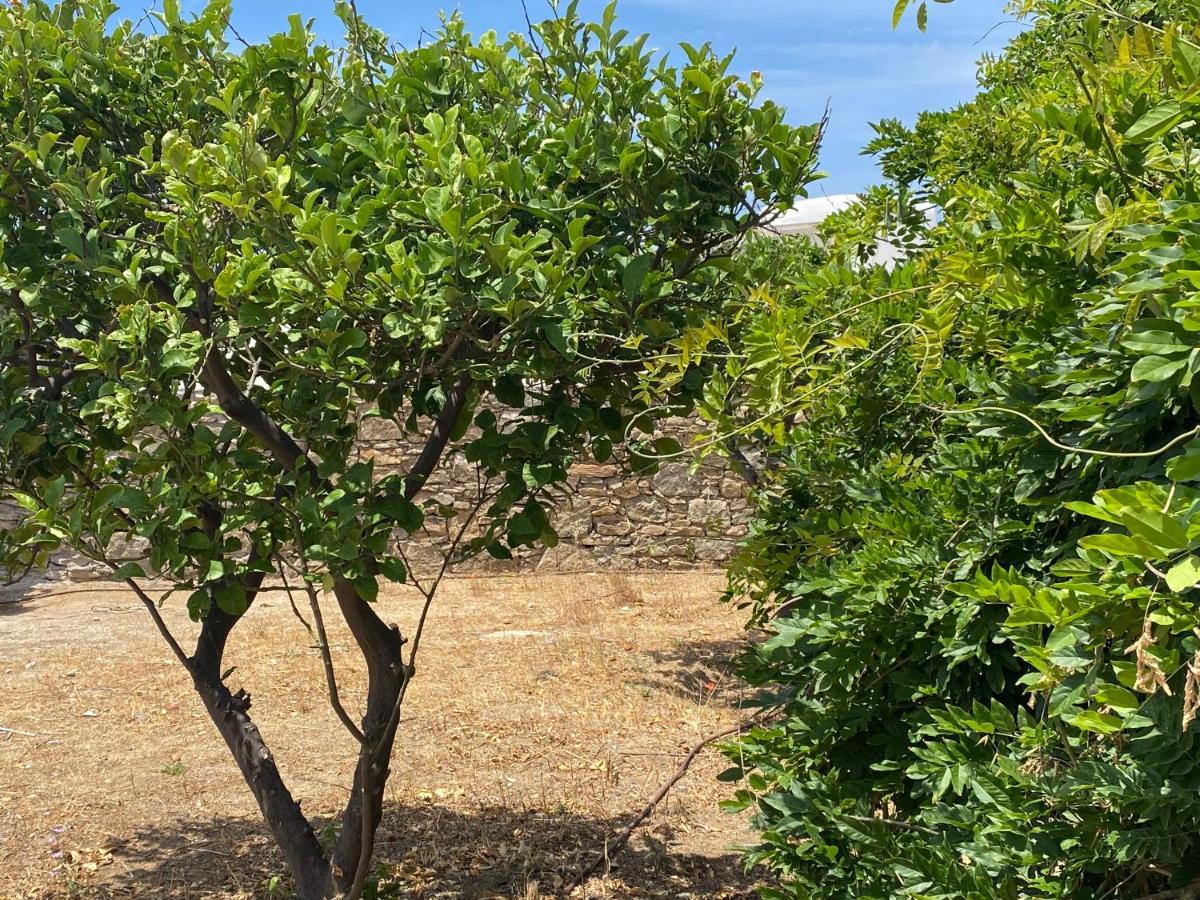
pixel 695 669
pixel 427 852
pixel 16 594
pixel 10 606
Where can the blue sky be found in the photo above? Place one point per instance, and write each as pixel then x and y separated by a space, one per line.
pixel 808 51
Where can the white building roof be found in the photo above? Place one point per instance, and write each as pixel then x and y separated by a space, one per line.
pixel 806 215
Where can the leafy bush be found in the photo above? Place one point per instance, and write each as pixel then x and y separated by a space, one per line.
pixel 975 552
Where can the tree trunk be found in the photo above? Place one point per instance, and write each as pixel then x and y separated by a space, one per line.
pixel 292 832
pixel 381 645
pixel 229 712
pixel 316 877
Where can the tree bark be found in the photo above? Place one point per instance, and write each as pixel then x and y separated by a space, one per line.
pixel 381 648
pixel 380 645
pixel 291 830
pixel 229 712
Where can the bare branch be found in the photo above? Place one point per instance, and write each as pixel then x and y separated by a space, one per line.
pixel 895 824
pixel 238 406
pixel 622 837
pixel 366 847
pixel 742 463
pixel 152 608
pixel 1189 891
pixel 322 642
pixel 51 386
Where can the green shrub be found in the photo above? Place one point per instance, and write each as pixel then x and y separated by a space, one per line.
pixel 974 550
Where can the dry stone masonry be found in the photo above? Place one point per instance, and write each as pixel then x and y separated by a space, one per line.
pixel 610 520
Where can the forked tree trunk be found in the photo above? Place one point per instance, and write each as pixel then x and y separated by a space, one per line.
pixel 316 876
pixel 292 831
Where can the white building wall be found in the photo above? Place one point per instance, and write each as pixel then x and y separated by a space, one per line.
pixel 807 215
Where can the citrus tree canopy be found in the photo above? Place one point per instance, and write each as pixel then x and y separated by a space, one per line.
pixel 219 259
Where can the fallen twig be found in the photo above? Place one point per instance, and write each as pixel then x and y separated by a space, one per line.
pixel 612 849
pixel 4 730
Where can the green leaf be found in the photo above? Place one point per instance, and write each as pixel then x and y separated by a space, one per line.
pixel 1029 615
pixel 1156 122
pixel 699 79
pixel 1155 369
pixel 1120 545
pixel 393 569
pixel 1155 342
pixel 54 491
pixel 510 391
pixel 635 273
pixel 630 158
pixel 1118 697
pixel 198 604
pixel 226 283
pixel 367 587
pixel 71 239
pixel 1097 722
pixel 46 143
pixel 406 514
pixel 1185 467
pixel 667 446
pixel 602 449
pixel 230 597
pixel 25 501
pixel 553 332
pixel 1184 574
pixel 129 570
pixel 451 221
pixel 195 540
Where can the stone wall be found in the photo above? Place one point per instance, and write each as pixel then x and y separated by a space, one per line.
pixel 609 520
pixel 10 514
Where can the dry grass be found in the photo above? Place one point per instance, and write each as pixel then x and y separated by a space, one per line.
pixel 547 709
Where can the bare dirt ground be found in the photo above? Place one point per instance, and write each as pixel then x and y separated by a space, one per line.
pixel 546 711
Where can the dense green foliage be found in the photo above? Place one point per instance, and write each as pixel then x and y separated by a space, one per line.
pixel 346 231
pixel 984 636
pixel 219 260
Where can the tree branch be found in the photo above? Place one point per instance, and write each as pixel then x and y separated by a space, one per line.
pixel 322 641
pixel 439 436
pixel 239 407
pixel 216 627
pixel 622 837
pixel 742 463
pixel 897 824
pixel 365 773
pixel 152 608
pixel 1189 891
pixel 50 385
